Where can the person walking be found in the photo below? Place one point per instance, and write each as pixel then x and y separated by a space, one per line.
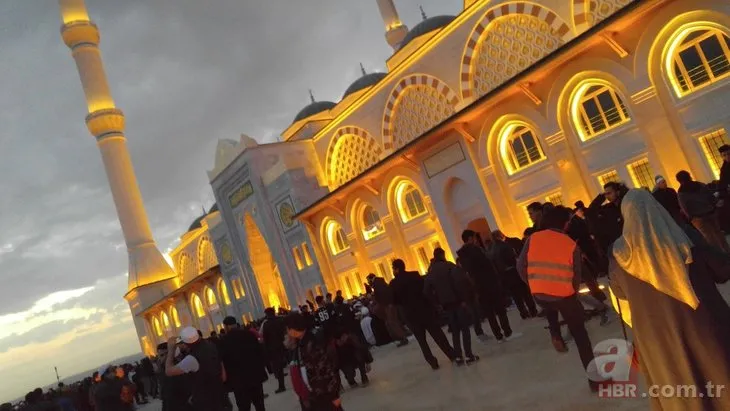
pixel 204 364
pixel 480 268
pixel 666 278
pixel 506 261
pixel 551 264
pixel 452 288
pixel 243 358
pixel 273 332
pixel 698 203
pixel 314 372
pixel 419 312
pixel 383 297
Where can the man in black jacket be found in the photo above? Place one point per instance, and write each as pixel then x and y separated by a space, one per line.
pixel 273 331
pixel 506 261
pixel 243 357
pixel 480 268
pixel 407 287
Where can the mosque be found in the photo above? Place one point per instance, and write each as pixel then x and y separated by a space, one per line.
pixel 479 114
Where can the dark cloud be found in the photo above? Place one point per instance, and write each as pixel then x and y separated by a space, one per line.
pixel 186 73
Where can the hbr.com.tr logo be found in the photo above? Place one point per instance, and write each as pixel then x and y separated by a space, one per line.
pixel 613 366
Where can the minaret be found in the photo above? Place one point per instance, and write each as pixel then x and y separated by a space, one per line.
pixel 395 30
pixel 106 123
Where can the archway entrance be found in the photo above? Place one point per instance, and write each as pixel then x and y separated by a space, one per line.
pixel 264 267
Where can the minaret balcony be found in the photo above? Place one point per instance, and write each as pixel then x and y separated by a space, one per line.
pixel 80 32
pixel 106 121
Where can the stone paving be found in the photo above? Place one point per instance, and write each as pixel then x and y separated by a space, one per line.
pixel 522 374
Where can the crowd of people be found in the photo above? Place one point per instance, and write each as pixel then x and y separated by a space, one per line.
pixel 663 250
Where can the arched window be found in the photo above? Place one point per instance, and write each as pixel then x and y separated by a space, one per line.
pixel 175 316
pixel 372 226
pixel 336 238
pixel 210 297
pixel 698 57
pixel 165 321
pixel 597 108
pixel 519 147
pixel 156 324
pixel 197 306
pixel 223 291
pixel 409 201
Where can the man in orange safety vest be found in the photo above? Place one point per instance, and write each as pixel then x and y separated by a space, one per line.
pixel 550 263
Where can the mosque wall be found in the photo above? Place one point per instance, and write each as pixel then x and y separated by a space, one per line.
pixel 613 109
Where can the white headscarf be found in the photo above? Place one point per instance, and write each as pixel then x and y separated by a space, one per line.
pixel 653 248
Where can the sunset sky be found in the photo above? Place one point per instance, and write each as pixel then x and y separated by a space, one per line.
pixel 186 73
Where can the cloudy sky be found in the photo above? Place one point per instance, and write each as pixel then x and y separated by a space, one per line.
pixel 186 73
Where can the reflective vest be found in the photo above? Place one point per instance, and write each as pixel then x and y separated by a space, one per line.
pixel 550 264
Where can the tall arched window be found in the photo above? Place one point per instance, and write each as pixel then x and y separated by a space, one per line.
pixel 197 306
pixel 210 298
pixel 519 147
pixel 223 291
pixel 697 58
pixel 596 108
pixel 175 316
pixel 336 238
pixel 165 321
pixel 409 201
pixel 156 324
pixel 372 226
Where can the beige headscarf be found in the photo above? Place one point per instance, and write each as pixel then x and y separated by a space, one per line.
pixel 653 248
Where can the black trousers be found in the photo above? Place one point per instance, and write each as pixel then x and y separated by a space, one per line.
pixel 350 371
pixel 496 314
pixel 279 373
pixel 248 396
pixel 521 295
pixel 460 322
pixel 420 329
pixel 572 311
pixel 319 405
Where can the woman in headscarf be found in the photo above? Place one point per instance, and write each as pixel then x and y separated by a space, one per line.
pixel 665 279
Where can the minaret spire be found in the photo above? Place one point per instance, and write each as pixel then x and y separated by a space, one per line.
pixel 362 68
pixel 311 96
pixel 106 123
pixel 395 30
pixel 423 13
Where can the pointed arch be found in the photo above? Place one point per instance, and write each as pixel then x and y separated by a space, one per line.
pixel 186 267
pixel 206 255
pixel 416 103
pixel 542 32
pixel 351 151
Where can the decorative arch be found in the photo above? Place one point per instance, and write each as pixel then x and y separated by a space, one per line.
pixel 165 320
pixel 352 151
pixel 186 266
pixel 333 235
pixel 416 103
pixel 175 317
pixel 533 29
pixel 206 255
pixel 586 13
pixel 211 299
pixel 407 199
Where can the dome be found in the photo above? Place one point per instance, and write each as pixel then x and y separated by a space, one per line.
pixel 197 223
pixel 363 82
pixel 426 26
pixel 314 108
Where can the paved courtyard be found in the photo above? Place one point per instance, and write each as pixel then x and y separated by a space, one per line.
pixel 525 373
pixel 522 374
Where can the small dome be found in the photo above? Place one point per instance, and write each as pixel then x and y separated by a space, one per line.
pixel 363 82
pixel 427 26
pixel 314 108
pixel 197 223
